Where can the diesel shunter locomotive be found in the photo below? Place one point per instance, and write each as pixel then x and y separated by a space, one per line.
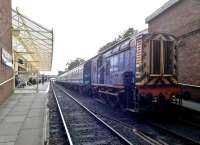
pixel 137 73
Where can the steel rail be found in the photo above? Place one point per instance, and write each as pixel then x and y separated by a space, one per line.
pixel 189 123
pixel 137 132
pixel 148 139
pixel 97 118
pixel 62 117
pixel 184 137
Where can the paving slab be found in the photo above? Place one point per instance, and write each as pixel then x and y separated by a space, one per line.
pixel 22 117
pixel 10 128
pixel 21 108
pixel 36 112
pixel 33 123
pixel 6 139
pixel 8 105
pixel 19 113
pixel 8 143
pixel 4 112
pixel 11 118
pixel 29 137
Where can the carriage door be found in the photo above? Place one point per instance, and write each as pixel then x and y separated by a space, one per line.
pixel 100 69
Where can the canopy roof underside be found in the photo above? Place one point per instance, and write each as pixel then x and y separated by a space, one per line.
pixel 32 43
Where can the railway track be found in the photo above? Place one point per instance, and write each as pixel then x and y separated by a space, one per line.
pixel 193 130
pixel 153 140
pixel 81 125
pixel 182 124
pixel 188 122
pixel 57 135
pixel 186 135
pixel 141 134
pixel 113 125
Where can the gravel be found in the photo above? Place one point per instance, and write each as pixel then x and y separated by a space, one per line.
pixel 57 134
pixel 131 120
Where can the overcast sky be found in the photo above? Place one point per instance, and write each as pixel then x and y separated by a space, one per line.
pixel 81 27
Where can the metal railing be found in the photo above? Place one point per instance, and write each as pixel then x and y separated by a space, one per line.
pixel 189 85
pixel 7 81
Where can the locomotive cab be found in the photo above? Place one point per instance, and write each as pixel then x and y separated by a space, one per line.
pixel 156 70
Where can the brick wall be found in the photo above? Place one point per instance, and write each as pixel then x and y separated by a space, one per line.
pixel 189 59
pixel 6 43
pixel 183 20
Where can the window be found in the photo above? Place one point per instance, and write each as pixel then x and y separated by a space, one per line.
pixel 115 63
pixel 133 43
pixel 132 59
pixel 111 63
pixel 121 61
pixel 125 45
pixel 108 53
pixel 116 49
pixel 126 59
pixel 108 65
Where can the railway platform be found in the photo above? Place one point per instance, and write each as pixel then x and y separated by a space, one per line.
pixel 23 116
pixel 191 105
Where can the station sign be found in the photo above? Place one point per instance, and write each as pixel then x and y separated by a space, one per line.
pixel 6 58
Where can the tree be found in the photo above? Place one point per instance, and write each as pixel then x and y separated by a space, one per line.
pixel 127 33
pixel 74 63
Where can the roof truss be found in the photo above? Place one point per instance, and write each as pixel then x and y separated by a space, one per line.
pixel 32 42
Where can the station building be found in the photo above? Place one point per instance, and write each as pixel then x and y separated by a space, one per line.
pixel 26 49
pixel 182 19
pixel 6 54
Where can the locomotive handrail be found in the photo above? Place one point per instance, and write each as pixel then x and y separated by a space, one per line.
pixel 108 93
pixel 6 81
pixel 164 75
pixel 189 85
pixel 110 86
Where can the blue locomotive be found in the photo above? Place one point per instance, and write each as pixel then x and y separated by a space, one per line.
pixel 137 73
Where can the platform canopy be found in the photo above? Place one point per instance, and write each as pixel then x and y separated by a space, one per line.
pixel 32 44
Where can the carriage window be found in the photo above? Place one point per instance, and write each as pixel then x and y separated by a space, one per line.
pixel 114 60
pixel 132 58
pixel 108 66
pixel 121 61
pixel 111 63
pixel 133 43
pixel 125 45
pixel 115 63
pixel 108 53
pixel 126 60
pixel 116 49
